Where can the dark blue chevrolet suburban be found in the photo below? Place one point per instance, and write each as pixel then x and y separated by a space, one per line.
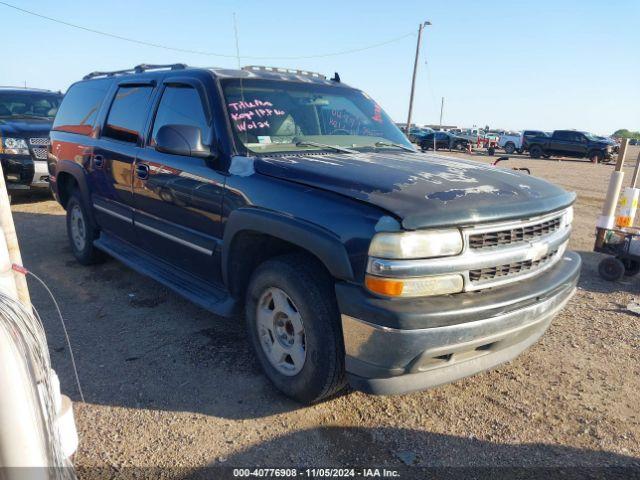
pixel 295 199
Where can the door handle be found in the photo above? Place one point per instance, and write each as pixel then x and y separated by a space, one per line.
pixel 142 171
pixel 98 161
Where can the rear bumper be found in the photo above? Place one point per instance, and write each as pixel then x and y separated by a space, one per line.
pixel 398 347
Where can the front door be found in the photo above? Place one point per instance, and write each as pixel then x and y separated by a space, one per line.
pixel 113 158
pixel 178 199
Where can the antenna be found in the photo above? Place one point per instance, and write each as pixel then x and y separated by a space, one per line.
pixel 235 30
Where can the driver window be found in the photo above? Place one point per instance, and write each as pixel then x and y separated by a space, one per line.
pixel 181 105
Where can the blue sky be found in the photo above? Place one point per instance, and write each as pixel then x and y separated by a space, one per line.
pixel 511 64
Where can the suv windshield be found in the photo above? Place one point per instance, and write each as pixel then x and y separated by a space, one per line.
pixel 270 116
pixel 29 104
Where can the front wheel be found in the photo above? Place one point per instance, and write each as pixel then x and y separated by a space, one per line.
pixel 81 231
pixel 294 327
pixel 509 148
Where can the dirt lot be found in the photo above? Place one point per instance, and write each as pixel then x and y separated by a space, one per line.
pixel 169 385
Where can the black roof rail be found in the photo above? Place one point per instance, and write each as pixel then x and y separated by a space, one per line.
pixel 143 67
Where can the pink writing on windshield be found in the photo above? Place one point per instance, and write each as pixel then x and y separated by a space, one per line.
pixel 250 115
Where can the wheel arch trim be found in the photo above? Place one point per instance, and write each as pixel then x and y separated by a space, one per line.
pixel 318 241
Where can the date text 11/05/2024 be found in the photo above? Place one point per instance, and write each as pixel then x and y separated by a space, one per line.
pixel 316 473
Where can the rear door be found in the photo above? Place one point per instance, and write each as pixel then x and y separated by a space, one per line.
pixel 178 199
pixel 114 156
pixel 560 143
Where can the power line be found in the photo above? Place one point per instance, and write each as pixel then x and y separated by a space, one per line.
pixel 201 52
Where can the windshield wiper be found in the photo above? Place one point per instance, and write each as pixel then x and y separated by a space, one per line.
pixel 337 148
pixel 391 144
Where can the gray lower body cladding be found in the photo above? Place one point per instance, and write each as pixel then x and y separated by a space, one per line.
pixel 439 345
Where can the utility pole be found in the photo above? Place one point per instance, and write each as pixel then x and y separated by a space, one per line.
pixel 441 109
pixel 415 71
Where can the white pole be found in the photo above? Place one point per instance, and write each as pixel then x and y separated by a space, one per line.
pixel 9 230
pixel 22 441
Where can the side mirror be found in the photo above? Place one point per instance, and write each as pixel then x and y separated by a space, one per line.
pixel 183 140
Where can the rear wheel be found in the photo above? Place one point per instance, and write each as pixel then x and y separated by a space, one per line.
pixel 509 148
pixel 294 327
pixel 536 151
pixel 611 269
pixel 81 231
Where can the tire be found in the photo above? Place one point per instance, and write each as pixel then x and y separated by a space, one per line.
pixel 520 151
pixel 81 232
pixel 631 267
pixel 298 337
pixel 509 148
pixel 611 269
pixel 596 157
pixel 536 151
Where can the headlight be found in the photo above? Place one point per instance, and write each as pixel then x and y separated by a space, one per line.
pixel 14 146
pixel 418 244
pixel 568 217
pixel 415 287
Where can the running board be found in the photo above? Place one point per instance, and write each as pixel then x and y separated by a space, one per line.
pixel 204 294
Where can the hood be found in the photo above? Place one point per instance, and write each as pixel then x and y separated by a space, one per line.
pixel 25 127
pixel 423 190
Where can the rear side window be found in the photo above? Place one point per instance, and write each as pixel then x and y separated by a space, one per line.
pixel 181 105
pixel 128 113
pixel 563 136
pixel 80 107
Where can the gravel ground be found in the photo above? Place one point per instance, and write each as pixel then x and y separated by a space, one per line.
pixel 169 385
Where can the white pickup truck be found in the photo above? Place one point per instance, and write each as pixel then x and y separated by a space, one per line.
pixel 511 142
pixel 517 141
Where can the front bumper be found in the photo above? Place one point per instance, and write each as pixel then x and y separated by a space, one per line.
pixel 18 170
pixel 399 346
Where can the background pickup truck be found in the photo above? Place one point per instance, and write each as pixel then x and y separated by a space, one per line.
pixel 571 143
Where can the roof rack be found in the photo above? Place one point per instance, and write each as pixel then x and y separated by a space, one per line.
pixel 290 71
pixel 26 88
pixel 143 67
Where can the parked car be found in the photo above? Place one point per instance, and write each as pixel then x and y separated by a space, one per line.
pixel 417 134
pixel 295 199
pixel 446 140
pixel 527 135
pixel 473 135
pixel 633 141
pixel 26 115
pixel 571 143
pixel 510 142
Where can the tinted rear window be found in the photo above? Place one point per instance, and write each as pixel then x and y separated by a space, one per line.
pixel 80 107
pixel 128 113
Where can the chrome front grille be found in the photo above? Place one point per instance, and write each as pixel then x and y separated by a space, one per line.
pixel 40 141
pixel 513 235
pixel 517 268
pixel 493 254
pixel 39 153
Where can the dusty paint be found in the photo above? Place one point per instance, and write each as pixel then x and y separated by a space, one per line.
pixel 387 224
pixel 448 195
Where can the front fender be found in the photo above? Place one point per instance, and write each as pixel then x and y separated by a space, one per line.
pixel 322 243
